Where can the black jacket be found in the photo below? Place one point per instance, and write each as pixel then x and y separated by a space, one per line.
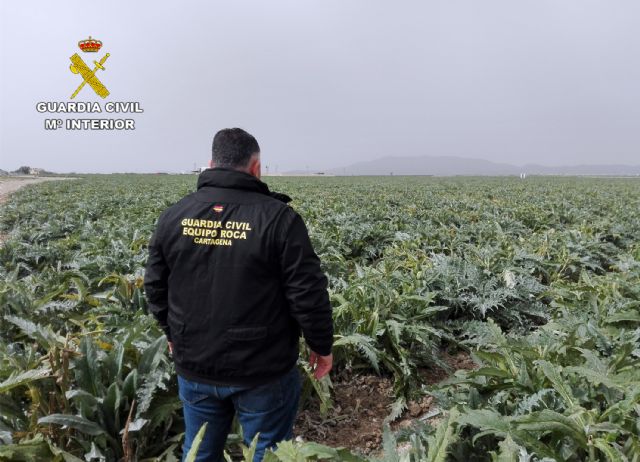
pixel 232 279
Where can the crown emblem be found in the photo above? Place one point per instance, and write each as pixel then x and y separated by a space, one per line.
pixel 90 45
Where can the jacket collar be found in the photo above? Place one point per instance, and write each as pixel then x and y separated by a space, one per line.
pixel 219 177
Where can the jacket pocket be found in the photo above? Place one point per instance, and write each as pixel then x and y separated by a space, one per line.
pixel 246 333
pixel 188 391
pixel 177 336
pixel 245 349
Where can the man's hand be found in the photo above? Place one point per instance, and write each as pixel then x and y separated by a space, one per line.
pixel 321 365
pixel 171 347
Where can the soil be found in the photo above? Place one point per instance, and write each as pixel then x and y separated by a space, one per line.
pixel 361 402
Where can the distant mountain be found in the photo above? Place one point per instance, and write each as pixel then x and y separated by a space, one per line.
pixel 604 169
pixel 447 166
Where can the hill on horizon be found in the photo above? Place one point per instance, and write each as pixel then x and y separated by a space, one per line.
pixel 453 165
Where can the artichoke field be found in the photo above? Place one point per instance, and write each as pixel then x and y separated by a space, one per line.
pixel 539 280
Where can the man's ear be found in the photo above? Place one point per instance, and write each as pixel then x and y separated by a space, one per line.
pixel 254 166
pixel 210 163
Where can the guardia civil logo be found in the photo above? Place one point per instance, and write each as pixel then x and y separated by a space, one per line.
pixel 90 84
pixel 89 77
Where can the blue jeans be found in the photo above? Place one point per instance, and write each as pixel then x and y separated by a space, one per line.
pixel 269 409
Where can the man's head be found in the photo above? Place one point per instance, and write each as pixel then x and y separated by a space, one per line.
pixel 236 149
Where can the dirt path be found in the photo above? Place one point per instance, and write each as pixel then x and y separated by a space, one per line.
pixel 10 184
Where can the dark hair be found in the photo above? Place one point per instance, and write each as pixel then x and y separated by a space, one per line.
pixel 233 147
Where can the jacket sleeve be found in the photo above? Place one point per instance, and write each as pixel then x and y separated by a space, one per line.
pixel 305 285
pixel 156 287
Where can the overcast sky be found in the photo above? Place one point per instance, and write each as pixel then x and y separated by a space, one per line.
pixel 327 83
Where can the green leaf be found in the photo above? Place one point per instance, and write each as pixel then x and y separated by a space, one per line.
pixel 130 384
pixel 490 372
pixel 285 451
pixel 390 445
pixel 85 402
pixel 87 368
pixel 250 452
pixel 612 453
pixel 493 423
pixel 33 450
pixel 24 378
pixel 73 421
pixel 623 316
pixel 548 420
pixel 445 435
pixel 508 451
pixel 397 408
pixel 114 362
pixel 43 335
pixel 147 392
pixel 362 343
pixel 63 455
pixel 322 388
pixel 594 377
pixel 193 451
pixel 486 420
pixel 557 381
pixel 152 355
pixel 312 450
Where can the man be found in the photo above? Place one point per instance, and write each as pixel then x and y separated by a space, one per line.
pixel 233 280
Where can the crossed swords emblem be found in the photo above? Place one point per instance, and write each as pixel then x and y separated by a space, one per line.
pixel 78 66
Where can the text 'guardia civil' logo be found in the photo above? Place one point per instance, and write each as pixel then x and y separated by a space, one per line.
pixel 78 66
pixel 90 79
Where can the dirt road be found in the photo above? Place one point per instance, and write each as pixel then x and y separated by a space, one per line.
pixel 11 184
